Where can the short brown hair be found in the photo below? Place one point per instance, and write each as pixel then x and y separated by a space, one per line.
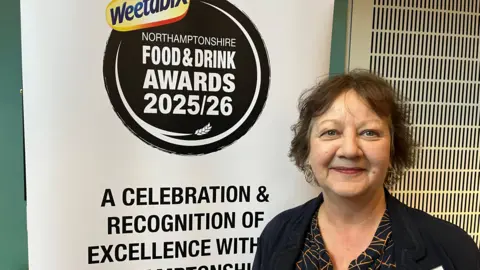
pixel 379 95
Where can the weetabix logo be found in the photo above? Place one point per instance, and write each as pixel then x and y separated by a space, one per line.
pixel 128 15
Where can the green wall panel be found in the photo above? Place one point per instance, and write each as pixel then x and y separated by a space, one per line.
pixel 339 37
pixel 13 231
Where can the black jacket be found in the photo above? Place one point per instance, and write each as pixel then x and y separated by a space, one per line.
pixel 421 240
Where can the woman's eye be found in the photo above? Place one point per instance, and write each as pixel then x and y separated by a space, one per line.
pixel 370 133
pixel 330 132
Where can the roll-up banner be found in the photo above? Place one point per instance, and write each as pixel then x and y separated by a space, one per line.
pixel 157 131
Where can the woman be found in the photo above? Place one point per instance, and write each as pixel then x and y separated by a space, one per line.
pixel 351 139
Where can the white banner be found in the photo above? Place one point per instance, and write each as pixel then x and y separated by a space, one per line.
pixel 157 131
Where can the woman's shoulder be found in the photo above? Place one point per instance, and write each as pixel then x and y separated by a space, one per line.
pixel 437 227
pixel 432 228
pixel 281 232
pixel 291 218
pixel 451 238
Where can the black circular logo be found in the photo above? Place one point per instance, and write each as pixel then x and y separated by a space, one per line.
pixel 192 86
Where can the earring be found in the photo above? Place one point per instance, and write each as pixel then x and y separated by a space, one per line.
pixel 308 172
pixel 392 176
pixel 392 170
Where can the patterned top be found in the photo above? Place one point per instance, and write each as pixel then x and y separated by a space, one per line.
pixel 378 256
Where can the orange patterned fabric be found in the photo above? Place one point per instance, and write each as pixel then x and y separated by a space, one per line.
pixel 379 255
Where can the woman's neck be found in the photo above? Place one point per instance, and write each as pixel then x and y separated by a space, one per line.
pixel 343 213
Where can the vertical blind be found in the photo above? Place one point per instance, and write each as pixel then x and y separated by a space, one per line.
pixel 429 51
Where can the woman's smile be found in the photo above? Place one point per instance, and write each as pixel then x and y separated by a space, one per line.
pixel 348 170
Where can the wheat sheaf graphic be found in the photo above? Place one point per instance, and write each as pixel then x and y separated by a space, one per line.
pixel 206 129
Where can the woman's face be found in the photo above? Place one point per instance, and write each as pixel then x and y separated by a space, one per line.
pixel 350 147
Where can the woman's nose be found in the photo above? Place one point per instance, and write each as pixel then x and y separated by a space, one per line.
pixel 349 147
